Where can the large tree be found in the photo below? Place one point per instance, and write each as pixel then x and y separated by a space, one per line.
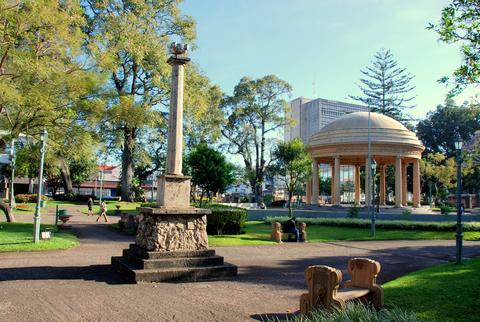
pixel 252 115
pixel 460 24
pixel 439 129
pixel 129 41
pixel 43 78
pixel 386 87
pixel 293 164
pixel 210 171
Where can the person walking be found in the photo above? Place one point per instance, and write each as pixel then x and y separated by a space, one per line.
pixel 90 206
pixel 103 211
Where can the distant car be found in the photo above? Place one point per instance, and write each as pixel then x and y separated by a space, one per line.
pixel 279 203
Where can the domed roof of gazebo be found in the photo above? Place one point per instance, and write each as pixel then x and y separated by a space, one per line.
pixel 353 129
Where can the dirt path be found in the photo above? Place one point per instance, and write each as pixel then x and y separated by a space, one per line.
pixel 79 285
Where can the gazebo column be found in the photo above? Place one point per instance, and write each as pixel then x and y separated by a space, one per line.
pixel 368 197
pixel 315 184
pixel 308 192
pixel 382 185
pixel 404 184
pixel 332 180
pixel 336 186
pixel 416 183
pixel 398 182
pixel 357 184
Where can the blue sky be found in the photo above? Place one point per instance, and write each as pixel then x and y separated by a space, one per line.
pixel 319 46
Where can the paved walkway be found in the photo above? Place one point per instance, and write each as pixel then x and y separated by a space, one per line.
pixel 79 285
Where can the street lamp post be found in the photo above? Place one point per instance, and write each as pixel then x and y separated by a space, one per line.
pixel 373 170
pixel 459 232
pixel 12 180
pixel 37 216
pixel 101 186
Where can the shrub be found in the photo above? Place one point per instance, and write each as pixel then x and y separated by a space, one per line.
pixel 354 312
pixel 73 197
pixel 407 214
pixel 446 209
pixel 24 198
pixel 226 221
pixel 381 224
pixel 268 199
pixel 354 211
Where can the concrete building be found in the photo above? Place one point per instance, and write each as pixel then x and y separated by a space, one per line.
pixel 310 115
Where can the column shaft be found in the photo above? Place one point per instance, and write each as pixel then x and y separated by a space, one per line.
pixel 308 192
pixel 175 122
pixel 315 183
pixel 357 184
pixel 416 183
pixel 398 182
pixel 404 184
pixel 336 199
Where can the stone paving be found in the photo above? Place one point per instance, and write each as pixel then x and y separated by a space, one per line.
pixel 79 285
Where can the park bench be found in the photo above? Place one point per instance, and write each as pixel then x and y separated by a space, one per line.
pixel 323 286
pixel 128 221
pixel 278 232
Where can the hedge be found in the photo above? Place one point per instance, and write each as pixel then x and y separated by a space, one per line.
pixel 381 224
pixel 24 198
pixel 73 197
pixel 226 221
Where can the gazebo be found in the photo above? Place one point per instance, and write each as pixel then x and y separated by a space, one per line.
pixel 345 142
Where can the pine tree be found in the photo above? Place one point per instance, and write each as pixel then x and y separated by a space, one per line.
pixel 386 86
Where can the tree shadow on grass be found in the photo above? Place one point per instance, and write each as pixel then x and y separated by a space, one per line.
pixel 97 273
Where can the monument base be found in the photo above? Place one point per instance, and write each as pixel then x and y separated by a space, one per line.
pixel 171 245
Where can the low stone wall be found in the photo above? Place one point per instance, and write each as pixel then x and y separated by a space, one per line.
pixel 163 230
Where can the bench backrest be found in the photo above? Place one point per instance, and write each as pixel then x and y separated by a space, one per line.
pixel 363 272
pixel 323 282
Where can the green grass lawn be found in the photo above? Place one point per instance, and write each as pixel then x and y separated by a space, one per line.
pixel 130 207
pixel 442 293
pixel 257 233
pixel 16 237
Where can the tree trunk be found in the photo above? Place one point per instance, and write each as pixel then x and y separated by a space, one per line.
pixel 65 174
pixel 289 204
pixel 127 163
pixel 7 211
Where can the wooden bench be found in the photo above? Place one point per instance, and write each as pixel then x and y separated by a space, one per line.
pixel 323 286
pixel 277 233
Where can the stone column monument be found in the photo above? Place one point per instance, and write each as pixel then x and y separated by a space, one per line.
pixel 171 242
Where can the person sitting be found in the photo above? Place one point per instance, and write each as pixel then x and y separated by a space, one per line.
pixel 290 227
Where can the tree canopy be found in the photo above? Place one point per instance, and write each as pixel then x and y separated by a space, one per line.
pixel 293 164
pixel 210 171
pixel 386 87
pixel 252 115
pixel 460 24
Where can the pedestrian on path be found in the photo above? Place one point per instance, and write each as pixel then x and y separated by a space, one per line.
pixel 103 211
pixel 90 206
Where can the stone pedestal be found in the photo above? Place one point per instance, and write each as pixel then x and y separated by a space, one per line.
pixel 161 229
pixel 171 245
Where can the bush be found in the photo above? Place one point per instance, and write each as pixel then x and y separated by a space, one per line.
pixel 73 197
pixel 268 199
pixel 407 214
pixel 446 209
pixel 226 221
pixel 354 211
pixel 355 312
pixel 24 198
pixel 380 224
